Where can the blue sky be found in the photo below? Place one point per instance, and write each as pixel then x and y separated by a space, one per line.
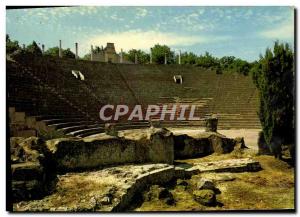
pixel 244 32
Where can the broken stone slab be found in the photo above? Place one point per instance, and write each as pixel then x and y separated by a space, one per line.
pixel 204 144
pixel 73 153
pixel 231 165
pixel 220 177
pixel 159 176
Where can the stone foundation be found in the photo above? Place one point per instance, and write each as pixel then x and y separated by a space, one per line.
pixel 74 154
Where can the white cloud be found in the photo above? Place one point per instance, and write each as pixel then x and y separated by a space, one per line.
pixel 284 31
pixel 201 11
pixel 114 17
pixel 139 39
pixel 141 12
pixel 64 11
pixel 194 22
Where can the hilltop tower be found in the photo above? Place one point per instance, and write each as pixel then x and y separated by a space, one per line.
pixel 107 54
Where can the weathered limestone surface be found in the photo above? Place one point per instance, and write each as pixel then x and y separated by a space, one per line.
pixel 73 154
pixel 109 189
pixel 204 144
pixel 232 165
pixel 113 188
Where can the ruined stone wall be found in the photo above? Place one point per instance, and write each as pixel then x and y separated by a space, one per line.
pixel 73 154
pixel 204 144
pixel 106 56
pixel 99 57
pixel 112 57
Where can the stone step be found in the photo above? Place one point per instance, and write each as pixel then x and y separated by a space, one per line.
pixel 59 120
pixel 70 129
pixel 90 132
pixel 70 124
pixel 81 132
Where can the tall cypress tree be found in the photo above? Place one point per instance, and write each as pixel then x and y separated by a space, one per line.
pixel 274 77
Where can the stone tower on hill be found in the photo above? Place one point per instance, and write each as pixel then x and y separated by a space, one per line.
pixel 107 54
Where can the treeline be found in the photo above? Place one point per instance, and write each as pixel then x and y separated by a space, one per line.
pixel 159 52
pixel 226 64
pixel 13 47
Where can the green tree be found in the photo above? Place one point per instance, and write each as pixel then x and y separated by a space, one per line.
pixel 226 62
pixel 34 49
pixel 159 52
pixel 142 57
pixel 275 79
pixel 188 58
pixel 207 61
pixel 241 66
pixel 54 51
pixel 11 46
pixel 68 53
pixel 87 56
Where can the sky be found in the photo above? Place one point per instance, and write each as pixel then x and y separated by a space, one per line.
pixel 243 32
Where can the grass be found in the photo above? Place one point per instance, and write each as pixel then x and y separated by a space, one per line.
pixel 271 188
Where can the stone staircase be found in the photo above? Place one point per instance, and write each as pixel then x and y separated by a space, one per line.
pixel 44 89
